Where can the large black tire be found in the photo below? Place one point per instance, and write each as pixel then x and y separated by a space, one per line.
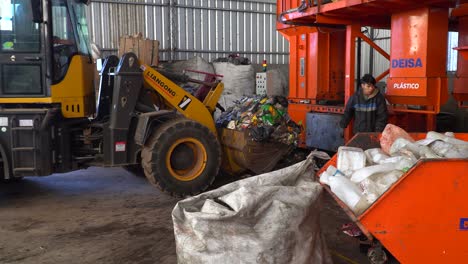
pixel 181 157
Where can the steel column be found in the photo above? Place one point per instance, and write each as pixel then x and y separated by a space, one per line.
pixel 352 31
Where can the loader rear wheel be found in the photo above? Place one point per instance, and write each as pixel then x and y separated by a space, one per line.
pixel 181 157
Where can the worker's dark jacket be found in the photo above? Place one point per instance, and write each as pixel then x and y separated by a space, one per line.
pixel 370 115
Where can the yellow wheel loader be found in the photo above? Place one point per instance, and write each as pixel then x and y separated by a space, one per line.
pixel 50 122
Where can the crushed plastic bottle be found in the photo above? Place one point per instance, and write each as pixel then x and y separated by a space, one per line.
pixel 375 155
pixel 350 159
pixel 349 193
pixel 370 190
pixel 448 139
pixel 419 150
pixel 329 172
pixel 448 150
pixel 363 173
pixel 374 186
pixel 387 179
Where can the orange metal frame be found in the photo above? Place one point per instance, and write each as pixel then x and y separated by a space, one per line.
pixel 323 53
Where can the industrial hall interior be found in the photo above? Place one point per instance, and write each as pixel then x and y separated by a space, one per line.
pixel 233 131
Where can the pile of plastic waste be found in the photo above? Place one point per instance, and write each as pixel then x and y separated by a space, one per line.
pixel 266 119
pixel 234 59
pixel 362 176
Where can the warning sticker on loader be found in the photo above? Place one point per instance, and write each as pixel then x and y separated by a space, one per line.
pixel 120 146
pixel 185 102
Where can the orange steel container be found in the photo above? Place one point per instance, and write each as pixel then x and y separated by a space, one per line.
pixel 423 217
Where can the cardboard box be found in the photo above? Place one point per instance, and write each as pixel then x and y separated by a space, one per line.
pixel 147 50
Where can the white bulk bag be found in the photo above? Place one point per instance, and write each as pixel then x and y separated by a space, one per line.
pixel 270 218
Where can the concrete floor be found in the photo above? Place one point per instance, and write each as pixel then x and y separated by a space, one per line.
pixel 109 216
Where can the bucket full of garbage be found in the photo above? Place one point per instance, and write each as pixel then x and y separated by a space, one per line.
pixel 256 132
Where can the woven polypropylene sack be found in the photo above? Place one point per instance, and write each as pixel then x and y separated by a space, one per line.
pixel 237 79
pixel 270 218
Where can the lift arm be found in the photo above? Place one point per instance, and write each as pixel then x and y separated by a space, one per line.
pixel 181 100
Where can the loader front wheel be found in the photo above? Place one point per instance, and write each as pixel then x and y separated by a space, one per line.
pixel 181 157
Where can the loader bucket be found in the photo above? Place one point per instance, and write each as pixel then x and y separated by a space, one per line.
pixel 242 154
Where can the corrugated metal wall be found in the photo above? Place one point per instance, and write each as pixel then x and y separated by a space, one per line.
pixel 208 28
pixel 452 58
pixel 379 63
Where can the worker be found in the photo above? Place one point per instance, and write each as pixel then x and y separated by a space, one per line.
pixel 368 106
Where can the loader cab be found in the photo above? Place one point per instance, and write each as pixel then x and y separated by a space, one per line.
pixel 69 35
pixel 44 53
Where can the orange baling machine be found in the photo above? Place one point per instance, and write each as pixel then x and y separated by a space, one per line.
pixel 423 217
pixel 325 39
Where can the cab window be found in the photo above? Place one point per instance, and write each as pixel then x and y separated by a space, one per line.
pixel 79 15
pixel 63 38
pixel 18 33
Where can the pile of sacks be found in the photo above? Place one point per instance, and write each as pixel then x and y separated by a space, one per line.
pixel 361 177
pixel 266 119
